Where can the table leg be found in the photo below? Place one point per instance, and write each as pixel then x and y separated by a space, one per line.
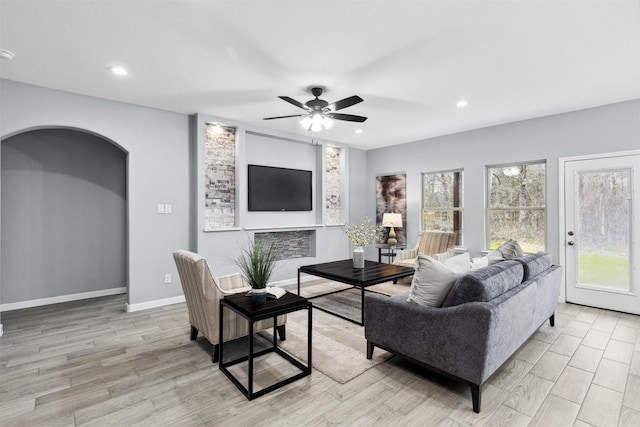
pixel 220 336
pixel 309 330
pixel 275 333
pixel 298 281
pixel 379 254
pixel 250 382
pixel 362 311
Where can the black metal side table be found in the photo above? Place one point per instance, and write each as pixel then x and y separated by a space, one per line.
pixel 243 306
pixel 391 251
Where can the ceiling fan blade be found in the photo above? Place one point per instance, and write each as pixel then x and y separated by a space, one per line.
pixel 344 103
pixel 285 117
pixel 347 117
pixel 294 102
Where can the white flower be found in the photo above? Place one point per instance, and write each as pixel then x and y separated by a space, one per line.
pixel 363 234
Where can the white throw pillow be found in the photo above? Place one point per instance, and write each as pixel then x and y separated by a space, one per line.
pixel 480 262
pixel 433 280
pixel 460 263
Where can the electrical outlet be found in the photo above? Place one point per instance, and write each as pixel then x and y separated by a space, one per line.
pixel 167 278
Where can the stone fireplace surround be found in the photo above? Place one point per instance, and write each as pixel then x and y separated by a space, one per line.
pixel 290 244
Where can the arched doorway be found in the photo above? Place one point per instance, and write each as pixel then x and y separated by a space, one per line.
pixel 64 217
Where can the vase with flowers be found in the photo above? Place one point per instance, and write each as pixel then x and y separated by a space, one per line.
pixel 361 235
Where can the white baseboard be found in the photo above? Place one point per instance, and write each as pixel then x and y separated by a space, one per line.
pixel 62 298
pixel 129 308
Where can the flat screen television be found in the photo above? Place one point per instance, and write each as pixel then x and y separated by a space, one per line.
pixel 274 189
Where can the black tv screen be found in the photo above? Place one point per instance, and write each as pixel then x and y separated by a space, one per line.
pixel 279 189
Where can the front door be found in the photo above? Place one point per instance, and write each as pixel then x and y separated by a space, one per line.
pixel 601 231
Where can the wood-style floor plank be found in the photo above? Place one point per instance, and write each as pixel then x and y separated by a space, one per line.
pixel 91 363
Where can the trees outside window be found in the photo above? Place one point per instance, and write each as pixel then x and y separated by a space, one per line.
pixel 516 208
pixel 442 202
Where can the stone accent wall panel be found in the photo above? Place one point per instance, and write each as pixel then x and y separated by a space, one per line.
pixel 289 244
pixel 332 174
pixel 220 177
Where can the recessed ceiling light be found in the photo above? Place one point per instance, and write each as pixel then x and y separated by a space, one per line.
pixel 462 103
pixel 358 131
pixel 7 54
pixel 119 71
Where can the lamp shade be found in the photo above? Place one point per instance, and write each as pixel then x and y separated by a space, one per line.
pixel 392 220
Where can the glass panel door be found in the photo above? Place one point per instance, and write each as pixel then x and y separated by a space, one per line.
pixel 604 212
pixel 601 232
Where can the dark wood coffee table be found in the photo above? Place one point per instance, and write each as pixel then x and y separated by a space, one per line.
pixel 343 271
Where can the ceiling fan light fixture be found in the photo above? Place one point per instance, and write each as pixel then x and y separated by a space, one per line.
pixel 306 122
pixel 319 114
pixel 327 122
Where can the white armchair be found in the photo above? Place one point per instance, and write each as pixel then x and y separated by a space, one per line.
pixel 203 292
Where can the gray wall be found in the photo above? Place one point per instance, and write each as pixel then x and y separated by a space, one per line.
pixel 63 196
pixel 598 130
pixel 164 166
pixel 158 144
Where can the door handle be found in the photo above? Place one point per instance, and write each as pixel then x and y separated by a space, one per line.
pixel 570 243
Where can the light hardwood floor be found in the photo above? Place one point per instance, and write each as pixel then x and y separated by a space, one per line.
pixel 90 363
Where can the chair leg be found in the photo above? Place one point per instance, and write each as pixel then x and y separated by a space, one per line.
pixel 215 355
pixel 282 332
pixel 552 320
pixel 476 393
pixel 194 333
pixel 370 348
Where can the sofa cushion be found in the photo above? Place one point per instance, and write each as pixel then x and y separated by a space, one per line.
pixel 534 264
pixel 433 279
pixel 486 283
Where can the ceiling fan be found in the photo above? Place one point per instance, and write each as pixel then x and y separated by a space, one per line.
pixel 319 112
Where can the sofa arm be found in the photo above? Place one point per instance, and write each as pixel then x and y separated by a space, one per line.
pixel 451 339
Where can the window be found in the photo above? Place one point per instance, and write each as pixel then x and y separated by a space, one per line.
pixel 442 202
pixel 516 208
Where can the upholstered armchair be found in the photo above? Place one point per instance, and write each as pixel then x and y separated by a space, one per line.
pixel 203 292
pixel 430 242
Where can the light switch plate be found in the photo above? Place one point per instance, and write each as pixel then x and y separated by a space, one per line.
pixel 160 208
pixel 168 209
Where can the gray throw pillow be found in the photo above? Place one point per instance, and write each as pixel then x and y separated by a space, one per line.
pixel 433 280
pixel 510 249
pixel 494 257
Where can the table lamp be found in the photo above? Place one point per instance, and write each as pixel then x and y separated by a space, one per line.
pixel 392 220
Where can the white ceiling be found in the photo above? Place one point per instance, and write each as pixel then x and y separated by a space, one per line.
pixel 411 61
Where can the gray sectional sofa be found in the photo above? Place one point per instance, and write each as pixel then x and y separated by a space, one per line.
pixel 488 314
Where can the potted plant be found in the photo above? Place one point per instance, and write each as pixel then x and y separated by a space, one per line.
pixel 361 236
pixel 257 263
